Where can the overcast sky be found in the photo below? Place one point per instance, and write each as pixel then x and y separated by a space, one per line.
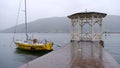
pixel 37 9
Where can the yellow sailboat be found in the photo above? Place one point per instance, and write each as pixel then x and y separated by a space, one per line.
pixel 32 44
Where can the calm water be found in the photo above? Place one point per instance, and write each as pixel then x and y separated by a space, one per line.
pixel 112 45
pixel 11 57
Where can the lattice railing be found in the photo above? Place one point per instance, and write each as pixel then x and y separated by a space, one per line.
pixel 86 36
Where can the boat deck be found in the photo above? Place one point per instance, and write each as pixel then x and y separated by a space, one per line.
pixel 75 55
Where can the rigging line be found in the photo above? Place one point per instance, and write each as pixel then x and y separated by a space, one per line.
pixel 16 22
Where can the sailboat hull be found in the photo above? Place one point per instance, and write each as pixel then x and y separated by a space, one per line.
pixel 34 47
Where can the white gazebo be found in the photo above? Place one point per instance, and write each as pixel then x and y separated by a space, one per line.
pixel 86 26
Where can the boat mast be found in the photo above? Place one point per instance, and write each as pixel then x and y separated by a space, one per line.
pixel 26 22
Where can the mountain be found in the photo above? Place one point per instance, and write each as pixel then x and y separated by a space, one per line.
pixel 111 23
pixel 54 24
pixel 62 24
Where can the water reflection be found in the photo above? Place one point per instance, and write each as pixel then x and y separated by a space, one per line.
pixel 27 56
pixel 86 54
pixel 27 52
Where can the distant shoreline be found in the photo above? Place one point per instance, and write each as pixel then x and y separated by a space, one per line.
pixel 62 32
pixel 111 32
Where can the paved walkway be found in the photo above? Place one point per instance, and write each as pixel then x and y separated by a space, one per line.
pixel 75 55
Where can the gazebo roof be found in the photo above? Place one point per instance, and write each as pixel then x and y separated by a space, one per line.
pixel 87 15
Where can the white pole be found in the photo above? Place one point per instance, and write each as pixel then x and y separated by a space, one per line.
pixel 92 28
pixel 79 28
pixel 101 31
pixel 26 21
pixel 72 29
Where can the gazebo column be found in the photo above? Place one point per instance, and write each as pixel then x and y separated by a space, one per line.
pixel 92 29
pixel 101 31
pixel 72 30
pixel 79 29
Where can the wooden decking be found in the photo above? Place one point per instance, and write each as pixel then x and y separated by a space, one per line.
pixel 75 55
